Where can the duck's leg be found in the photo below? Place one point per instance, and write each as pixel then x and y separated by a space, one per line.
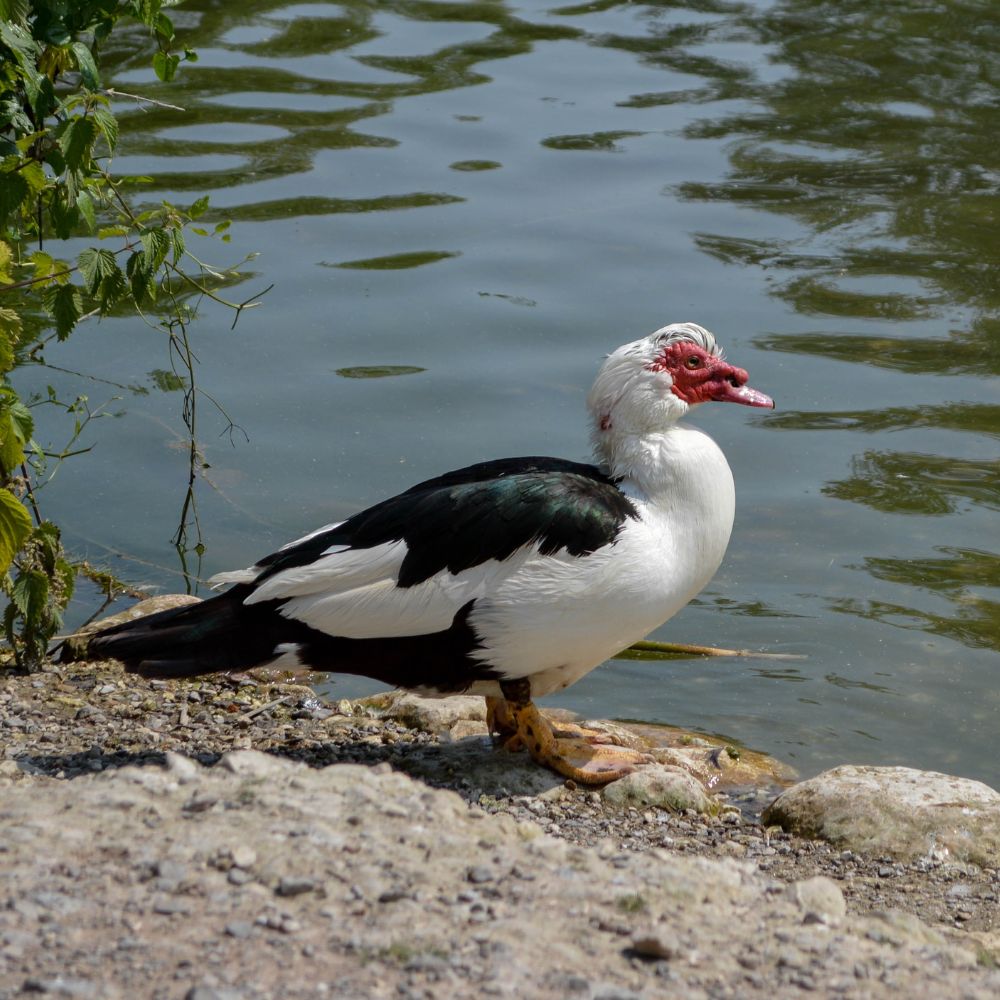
pixel 500 722
pixel 581 760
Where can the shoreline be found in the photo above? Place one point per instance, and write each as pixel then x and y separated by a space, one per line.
pixel 91 719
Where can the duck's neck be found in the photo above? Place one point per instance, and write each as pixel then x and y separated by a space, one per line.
pixel 676 465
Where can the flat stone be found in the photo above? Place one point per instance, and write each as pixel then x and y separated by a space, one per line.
pixel 660 785
pixel 819 898
pixel 428 715
pixel 291 885
pixel 253 764
pixel 182 768
pixel 243 856
pixel 898 811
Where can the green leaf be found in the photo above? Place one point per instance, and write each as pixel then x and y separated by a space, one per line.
pixel 107 232
pixel 11 446
pixel 199 207
pixel 29 593
pixel 6 259
pixel 164 26
pixel 97 265
pixel 113 287
pixel 108 125
pixel 22 420
pixel 86 65
pixel 18 39
pixel 15 526
pixel 77 142
pixel 13 192
pixel 87 262
pixel 156 246
pixel 44 266
pixel 138 277
pixel 64 215
pixel 64 303
pixel 165 66
pixel 10 336
pixel 14 10
pixel 86 206
pixel 55 159
pixel 177 235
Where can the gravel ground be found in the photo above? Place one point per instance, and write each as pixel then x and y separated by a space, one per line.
pixel 85 719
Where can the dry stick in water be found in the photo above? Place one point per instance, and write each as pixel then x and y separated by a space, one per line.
pixel 678 649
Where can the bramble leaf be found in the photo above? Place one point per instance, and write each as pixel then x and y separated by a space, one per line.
pixel 165 66
pixel 6 259
pixel 77 142
pixel 108 125
pixel 10 335
pixel 86 65
pixel 65 305
pixel 86 206
pixel 13 191
pixel 15 526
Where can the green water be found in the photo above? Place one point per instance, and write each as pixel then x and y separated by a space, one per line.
pixel 473 202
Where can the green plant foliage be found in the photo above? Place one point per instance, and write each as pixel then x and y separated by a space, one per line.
pixel 58 134
pixel 37 593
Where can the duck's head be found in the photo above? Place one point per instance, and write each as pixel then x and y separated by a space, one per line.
pixel 648 385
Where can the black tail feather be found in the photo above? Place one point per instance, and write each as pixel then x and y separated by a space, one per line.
pixel 208 637
pixel 223 634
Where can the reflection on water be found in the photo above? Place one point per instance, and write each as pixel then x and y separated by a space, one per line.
pixel 978 418
pixel 879 145
pixel 973 619
pixel 906 483
pixel 487 197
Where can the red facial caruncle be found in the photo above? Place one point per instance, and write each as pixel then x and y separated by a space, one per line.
pixel 699 377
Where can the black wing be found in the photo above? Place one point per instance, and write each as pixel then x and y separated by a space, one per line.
pixel 482 512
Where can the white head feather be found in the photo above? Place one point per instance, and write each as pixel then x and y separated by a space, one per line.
pixel 631 397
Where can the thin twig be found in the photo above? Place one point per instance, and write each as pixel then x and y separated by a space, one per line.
pixel 111 92
pixel 268 706
pixel 680 649
pixel 30 493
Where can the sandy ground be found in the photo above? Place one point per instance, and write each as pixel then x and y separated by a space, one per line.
pixel 437 869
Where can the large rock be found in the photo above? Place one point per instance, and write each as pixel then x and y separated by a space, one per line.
pixel 660 785
pixel 262 878
pixel 895 810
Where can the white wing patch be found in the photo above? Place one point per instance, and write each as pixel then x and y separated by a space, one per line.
pixel 251 573
pixel 353 592
pixel 234 576
pixel 337 570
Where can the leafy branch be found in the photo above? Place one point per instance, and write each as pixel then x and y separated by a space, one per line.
pixel 58 136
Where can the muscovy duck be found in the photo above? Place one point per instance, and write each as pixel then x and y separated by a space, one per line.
pixel 510 579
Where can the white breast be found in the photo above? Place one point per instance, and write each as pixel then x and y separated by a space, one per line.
pixel 560 616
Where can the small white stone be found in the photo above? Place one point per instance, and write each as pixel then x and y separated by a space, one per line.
pixel 181 768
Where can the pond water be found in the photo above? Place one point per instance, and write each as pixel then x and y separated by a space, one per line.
pixel 492 196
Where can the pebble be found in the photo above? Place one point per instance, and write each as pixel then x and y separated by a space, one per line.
pixel 655 946
pixel 295 885
pixel 243 856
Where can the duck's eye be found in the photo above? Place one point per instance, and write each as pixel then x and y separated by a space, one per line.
pixel 693 362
